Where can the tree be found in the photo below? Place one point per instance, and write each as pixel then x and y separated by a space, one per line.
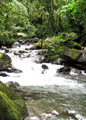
pixel 13 19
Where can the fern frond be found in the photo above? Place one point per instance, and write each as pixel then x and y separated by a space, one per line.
pixel 20 7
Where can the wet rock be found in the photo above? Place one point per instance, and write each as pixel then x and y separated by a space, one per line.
pixel 64 70
pixel 12 84
pixel 14 70
pixel 59 61
pixel 12 107
pixel 44 66
pixel 3 47
pixel 5 61
pixel 28 55
pixel 32 40
pixel 27 48
pixel 76 71
pixel 82 58
pixel 3 74
pixel 16 44
pixel 22 41
pixel 22 51
pixel 6 50
pixel 36 46
pixel 16 53
pixel 41 59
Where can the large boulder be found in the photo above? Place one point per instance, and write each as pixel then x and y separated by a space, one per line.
pixel 69 56
pixel 5 61
pixel 74 57
pixel 70 53
pixel 12 107
pixel 82 58
pixel 64 70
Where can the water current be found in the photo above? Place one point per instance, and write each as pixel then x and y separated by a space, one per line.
pixel 56 96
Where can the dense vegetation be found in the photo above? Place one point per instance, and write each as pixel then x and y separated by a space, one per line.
pixel 30 18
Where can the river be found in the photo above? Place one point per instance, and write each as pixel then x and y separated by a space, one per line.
pixel 57 96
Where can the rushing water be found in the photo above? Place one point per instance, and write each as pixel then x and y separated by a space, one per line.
pixel 56 97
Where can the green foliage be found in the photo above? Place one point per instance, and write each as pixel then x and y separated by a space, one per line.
pixel 6 38
pixel 19 7
pixel 1 55
pixel 29 29
pixel 73 16
pixel 57 39
pixel 42 18
pixel 54 16
pixel 26 30
pixel 13 20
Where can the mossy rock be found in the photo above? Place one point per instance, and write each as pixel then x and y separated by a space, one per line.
pixel 36 46
pixel 11 108
pixel 5 61
pixel 68 52
pixel 68 39
pixel 82 58
pixel 53 58
pixel 43 52
pixel 33 40
pixel 69 36
pixel 46 43
pixel 9 91
pixel 72 44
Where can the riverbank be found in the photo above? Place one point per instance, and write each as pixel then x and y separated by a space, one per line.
pixel 67 49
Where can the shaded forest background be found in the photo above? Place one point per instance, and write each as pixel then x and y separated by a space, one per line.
pixel 40 18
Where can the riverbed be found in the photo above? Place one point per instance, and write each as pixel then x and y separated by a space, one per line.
pixel 57 96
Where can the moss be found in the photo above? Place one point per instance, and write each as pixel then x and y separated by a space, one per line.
pixel 9 91
pixel 75 54
pixel 36 46
pixel 1 55
pixel 76 45
pixel 5 61
pixel 43 52
pixel 54 57
pixel 46 42
pixel 64 52
pixel 5 57
pixel 71 44
pixel 11 110
pixel 72 53
pixel 69 36
pixel 7 108
pixel 12 107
